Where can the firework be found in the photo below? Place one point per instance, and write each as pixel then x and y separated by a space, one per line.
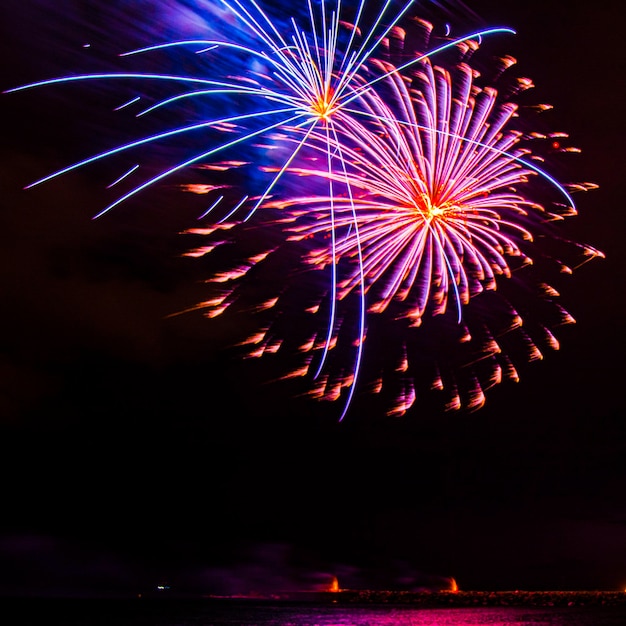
pixel 438 201
pixel 418 185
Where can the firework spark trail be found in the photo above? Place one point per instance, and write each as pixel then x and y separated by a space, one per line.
pixel 310 76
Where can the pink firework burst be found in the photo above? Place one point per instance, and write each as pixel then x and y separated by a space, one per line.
pixel 439 216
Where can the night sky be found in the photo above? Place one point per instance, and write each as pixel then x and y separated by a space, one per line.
pixel 137 450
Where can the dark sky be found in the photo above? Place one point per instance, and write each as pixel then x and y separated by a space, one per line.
pixel 136 449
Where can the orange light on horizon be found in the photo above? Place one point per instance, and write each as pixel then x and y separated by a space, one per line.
pixel 334 585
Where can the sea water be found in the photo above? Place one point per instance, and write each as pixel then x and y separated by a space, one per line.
pixel 81 612
pixel 403 616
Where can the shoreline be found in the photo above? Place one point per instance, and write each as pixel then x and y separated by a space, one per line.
pixel 442 599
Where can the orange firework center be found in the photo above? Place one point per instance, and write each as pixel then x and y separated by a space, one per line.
pixel 323 107
pixel 430 210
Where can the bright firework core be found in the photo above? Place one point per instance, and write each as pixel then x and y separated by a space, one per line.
pixel 432 211
pixel 324 106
